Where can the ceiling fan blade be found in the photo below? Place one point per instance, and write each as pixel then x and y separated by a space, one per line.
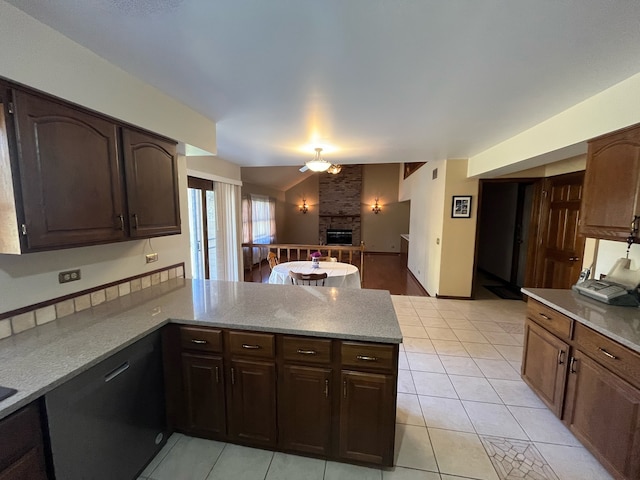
pixel 304 168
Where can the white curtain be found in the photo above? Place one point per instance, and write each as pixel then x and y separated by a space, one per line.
pixel 228 239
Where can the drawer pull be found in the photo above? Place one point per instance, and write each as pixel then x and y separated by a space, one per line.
pixel 344 389
pixel 233 376
pixel 251 347
pixel 307 352
pixel 326 389
pixel 367 358
pixel 611 356
pixel 217 375
pixel 561 357
pixel 544 316
pixel 198 342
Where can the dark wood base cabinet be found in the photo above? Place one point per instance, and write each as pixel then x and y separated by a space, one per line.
pixel 316 396
pixel 603 412
pixel 21 448
pixel 601 379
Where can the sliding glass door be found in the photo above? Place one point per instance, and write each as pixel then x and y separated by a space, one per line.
pixel 202 225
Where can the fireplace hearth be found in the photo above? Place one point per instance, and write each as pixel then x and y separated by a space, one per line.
pixel 339 236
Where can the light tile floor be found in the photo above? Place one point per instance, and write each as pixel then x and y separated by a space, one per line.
pixel 463 412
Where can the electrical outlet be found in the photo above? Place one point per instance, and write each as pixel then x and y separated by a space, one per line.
pixel 69 276
pixel 151 257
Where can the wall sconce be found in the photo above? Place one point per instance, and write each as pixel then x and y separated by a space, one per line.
pixel 304 208
pixel 376 208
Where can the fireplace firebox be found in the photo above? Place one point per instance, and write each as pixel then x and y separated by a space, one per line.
pixel 339 236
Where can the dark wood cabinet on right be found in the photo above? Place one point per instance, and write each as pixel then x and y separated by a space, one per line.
pixel 590 382
pixel 611 197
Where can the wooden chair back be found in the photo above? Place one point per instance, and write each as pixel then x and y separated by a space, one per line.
pixel 272 259
pixel 316 279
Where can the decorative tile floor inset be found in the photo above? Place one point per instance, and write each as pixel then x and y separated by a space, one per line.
pixel 517 459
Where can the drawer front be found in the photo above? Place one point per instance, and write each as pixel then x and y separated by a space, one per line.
pixel 549 319
pixel 307 350
pixel 201 339
pixel 252 344
pixel 609 353
pixel 368 355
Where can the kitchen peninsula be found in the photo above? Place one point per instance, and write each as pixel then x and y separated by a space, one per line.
pixel 231 348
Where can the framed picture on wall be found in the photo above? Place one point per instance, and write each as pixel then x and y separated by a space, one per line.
pixel 461 206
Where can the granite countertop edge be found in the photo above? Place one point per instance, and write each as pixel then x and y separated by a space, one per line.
pixel 28 363
pixel 621 324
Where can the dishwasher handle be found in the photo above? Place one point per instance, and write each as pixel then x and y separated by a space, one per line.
pixel 114 373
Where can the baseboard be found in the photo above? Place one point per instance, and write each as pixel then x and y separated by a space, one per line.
pixel 453 297
pixel 426 294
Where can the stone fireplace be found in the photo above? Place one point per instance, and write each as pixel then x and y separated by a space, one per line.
pixel 340 203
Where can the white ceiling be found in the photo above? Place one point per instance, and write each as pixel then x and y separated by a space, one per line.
pixel 378 80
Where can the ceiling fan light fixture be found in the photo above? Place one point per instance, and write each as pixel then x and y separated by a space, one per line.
pixel 334 169
pixel 318 164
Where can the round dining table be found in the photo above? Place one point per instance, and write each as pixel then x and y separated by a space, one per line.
pixel 338 274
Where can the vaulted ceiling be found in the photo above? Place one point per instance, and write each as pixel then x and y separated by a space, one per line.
pixel 373 81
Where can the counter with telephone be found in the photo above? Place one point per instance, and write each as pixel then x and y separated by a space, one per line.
pixel 619 287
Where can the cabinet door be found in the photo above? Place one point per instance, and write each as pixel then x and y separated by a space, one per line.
pixel 603 412
pixel 305 409
pixel 544 365
pixel 21 450
pixel 204 394
pixel 611 186
pixel 151 170
pixel 252 402
pixel 70 177
pixel 367 417
pixel 28 467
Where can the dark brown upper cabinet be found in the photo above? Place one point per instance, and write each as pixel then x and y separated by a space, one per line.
pixel 151 171
pixel 71 177
pixel 611 198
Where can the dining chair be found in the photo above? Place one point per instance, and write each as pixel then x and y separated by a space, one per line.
pixel 316 279
pixel 272 259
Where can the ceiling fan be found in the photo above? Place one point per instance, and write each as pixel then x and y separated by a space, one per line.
pixel 319 164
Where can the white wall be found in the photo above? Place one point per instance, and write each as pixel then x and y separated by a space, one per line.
pixel 38 56
pixel 564 134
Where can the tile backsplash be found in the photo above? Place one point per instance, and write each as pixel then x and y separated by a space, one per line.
pixel 28 317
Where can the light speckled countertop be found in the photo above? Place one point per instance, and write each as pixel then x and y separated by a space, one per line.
pixel 621 324
pixel 36 361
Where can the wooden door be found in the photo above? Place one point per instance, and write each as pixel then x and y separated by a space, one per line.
pixel 203 387
pixel 560 246
pixel 305 409
pixel 252 402
pixel 603 412
pixel 367 417
pixel 152 184
pixel 612 184
pixel 70 175
pixel 544 365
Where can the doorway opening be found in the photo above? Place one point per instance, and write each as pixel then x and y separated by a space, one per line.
pixel 202 225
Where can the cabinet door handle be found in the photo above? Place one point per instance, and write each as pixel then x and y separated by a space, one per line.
pixel 366 358
pixel 344 389
pixel 544 316
pixel 199 342
pixel 307 352
pixel 121 218
pixel 250 347
pixel 135 221
pixel 561 357
pixel 114 373
pixel 572 365
pixel 217 375
pixel 326 388
pixel 233 376
pixel 607 354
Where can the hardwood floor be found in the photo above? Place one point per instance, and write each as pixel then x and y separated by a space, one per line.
pixel 381 272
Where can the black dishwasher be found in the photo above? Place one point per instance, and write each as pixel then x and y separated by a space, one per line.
pixel 109 422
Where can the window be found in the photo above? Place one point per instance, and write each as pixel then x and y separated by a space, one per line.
pixel 258 222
